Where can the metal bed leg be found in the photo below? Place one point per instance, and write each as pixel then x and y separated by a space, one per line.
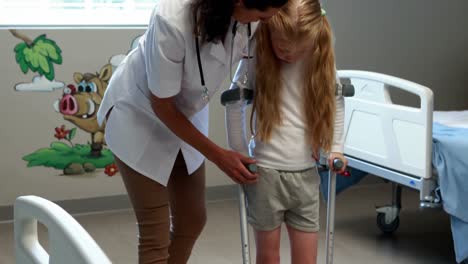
pixel 388 217
pixel 396 193
pixel 331 216
pixel 244 226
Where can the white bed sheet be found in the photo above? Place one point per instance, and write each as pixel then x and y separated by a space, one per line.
pixel 452 118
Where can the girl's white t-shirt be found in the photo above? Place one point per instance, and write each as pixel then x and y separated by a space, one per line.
pixel 288 148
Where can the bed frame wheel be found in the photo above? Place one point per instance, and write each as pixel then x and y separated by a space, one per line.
pixel 388 217
pixel 387 227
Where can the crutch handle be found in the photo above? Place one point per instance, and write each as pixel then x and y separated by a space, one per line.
pixel 337 164
pixel 253 168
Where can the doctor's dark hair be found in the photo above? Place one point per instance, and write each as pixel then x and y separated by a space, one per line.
pixel 214 16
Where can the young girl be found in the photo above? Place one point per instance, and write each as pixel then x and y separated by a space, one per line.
pixel 296 114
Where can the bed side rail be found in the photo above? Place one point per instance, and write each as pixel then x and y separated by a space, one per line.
pixel 384 133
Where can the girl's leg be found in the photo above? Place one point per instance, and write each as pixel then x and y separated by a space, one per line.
pixel 188 212
pixel 268 246
pixel 303 246
pixel 150 201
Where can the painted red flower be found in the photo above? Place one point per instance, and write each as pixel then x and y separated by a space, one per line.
pixel 111 170
pixel 61 132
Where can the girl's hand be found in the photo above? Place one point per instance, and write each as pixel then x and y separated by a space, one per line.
pixel 235 165
pixel 336 155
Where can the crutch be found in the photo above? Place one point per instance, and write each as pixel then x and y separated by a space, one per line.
pixel 337 165
pixel 243 213
pixel 244 226
pixel 234 95
pixel 346 90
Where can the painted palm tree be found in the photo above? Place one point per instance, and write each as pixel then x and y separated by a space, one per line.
pixel 38 55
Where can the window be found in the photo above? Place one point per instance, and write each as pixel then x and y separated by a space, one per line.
pixel 80 13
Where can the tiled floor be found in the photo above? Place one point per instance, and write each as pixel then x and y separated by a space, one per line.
pixel 423 236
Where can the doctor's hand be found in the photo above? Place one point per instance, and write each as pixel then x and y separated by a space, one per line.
pixel 235 165
pixel 336 155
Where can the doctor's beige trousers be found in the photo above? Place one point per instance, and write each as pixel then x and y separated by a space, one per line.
pixel 169 219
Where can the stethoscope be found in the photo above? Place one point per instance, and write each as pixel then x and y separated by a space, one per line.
pixel 243 82
pixel 205 93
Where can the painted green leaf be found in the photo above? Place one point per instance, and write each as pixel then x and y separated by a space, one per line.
pixel 39 57
pixel 56 53
pixel 24 66
pixel 32 155
pixel 36 162
pixel 60 146
pixel 44 64
pixel 39 38
pixel 27 55
pixel 19 50
pixel 50 76
pixel 72 134
pixel 20 57
pixel 49 49
pixel 32 59
pixel 20 47
pixel 51 157
pixel 45 151
pixel 39 157
pixel 81 149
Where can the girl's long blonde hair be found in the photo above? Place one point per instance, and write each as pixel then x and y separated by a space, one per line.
pixel 298 21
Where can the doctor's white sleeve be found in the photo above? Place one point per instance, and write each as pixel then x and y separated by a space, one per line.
pixel 235 117
pixel 164 52
pixel 338 131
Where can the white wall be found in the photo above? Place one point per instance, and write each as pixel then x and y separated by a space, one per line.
pixel 425 41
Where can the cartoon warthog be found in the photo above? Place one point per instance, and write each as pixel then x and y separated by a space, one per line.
pixel 80 104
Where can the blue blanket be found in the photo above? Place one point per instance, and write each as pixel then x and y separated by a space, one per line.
pixel 450 158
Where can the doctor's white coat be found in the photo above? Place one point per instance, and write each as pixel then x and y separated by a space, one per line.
pixel 164 64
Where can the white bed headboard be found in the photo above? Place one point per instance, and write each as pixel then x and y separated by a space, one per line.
pixel 387 134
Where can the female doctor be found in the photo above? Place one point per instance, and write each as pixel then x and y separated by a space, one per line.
pixel 156 114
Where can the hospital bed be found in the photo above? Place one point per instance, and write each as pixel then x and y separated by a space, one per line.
pixel 389 140
pixel 408 146
pixel 68 241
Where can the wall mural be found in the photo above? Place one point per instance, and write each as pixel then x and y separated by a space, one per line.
pixel 78 105
pixel 39 56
